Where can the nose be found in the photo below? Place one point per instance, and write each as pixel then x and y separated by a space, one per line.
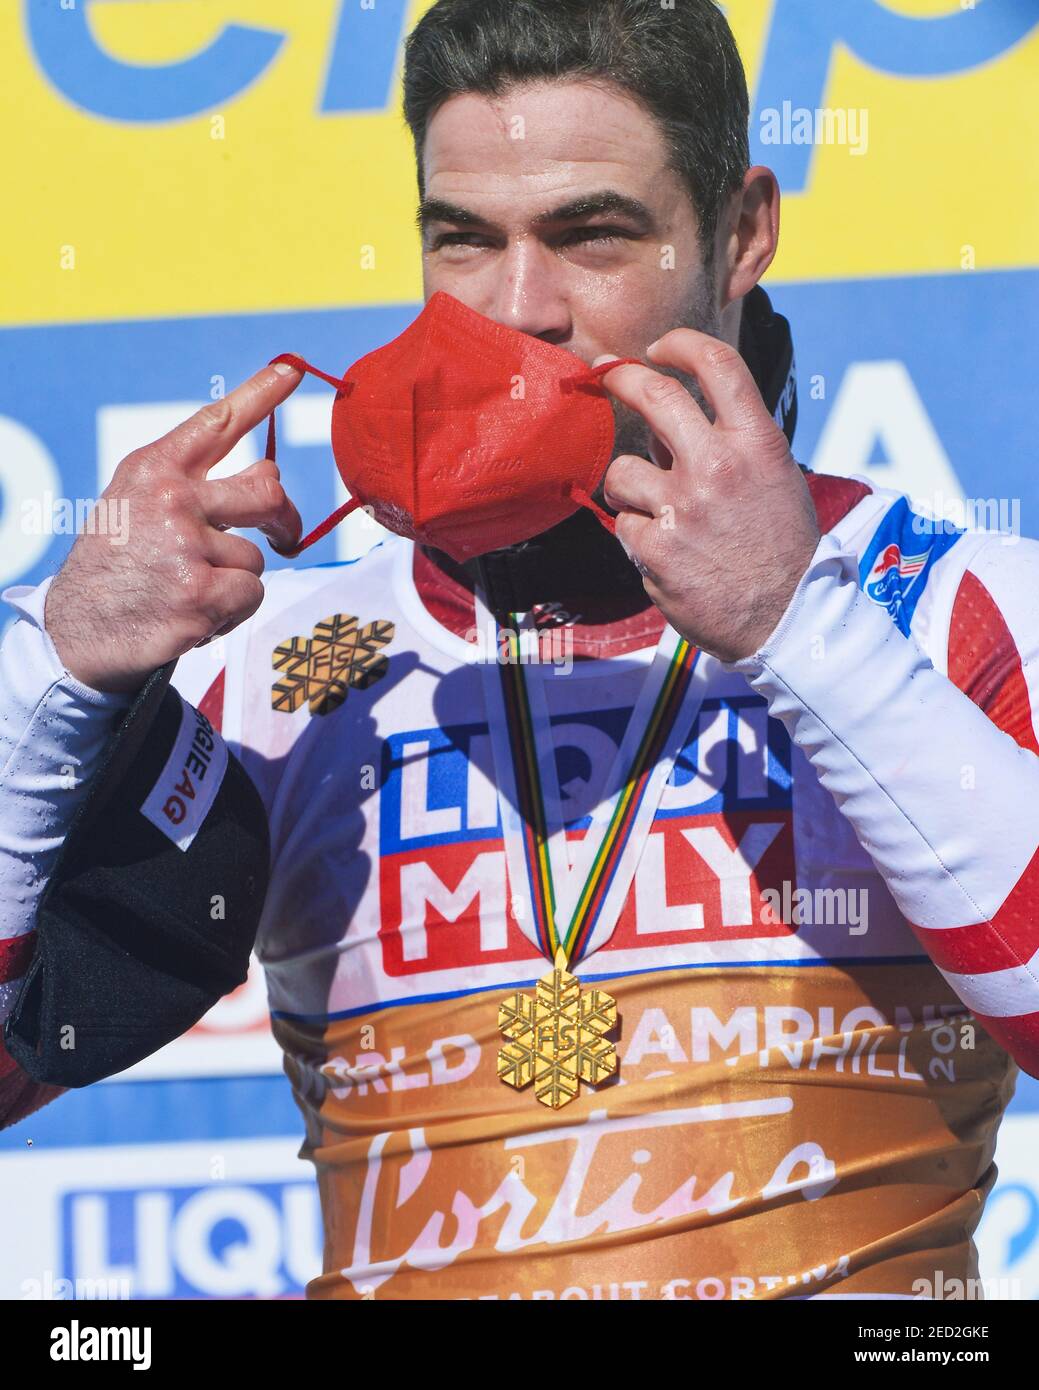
pixel 529 296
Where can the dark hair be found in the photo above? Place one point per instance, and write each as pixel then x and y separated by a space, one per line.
pixel 679 60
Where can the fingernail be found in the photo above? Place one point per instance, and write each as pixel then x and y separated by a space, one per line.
pixel 653 345
pixel 283 368
pixel 606 357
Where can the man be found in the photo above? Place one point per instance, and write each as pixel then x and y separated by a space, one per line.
pixel 802 1104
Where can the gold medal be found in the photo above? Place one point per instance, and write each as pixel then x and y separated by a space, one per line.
pixel 557 1037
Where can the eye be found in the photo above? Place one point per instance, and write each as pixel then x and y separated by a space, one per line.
pixel 457 239
pixel 593 236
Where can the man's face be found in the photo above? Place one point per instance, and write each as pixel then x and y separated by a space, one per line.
pixel 552 210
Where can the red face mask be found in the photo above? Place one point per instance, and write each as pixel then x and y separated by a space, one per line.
pixel 466 435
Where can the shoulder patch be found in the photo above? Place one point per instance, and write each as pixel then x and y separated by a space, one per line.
pixel 895 568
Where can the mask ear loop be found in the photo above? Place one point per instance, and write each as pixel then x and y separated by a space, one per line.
pixel 608 522
pixel 578 494
pixel 341 513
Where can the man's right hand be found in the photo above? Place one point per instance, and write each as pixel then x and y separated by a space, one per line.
pixel 116 612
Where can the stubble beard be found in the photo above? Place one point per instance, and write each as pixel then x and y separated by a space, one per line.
pixel 632 435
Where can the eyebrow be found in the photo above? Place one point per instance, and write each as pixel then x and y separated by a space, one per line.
pixel 587 205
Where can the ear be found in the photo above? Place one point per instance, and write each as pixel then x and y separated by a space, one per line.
pixel 748 235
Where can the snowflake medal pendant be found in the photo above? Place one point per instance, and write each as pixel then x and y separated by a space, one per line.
pixel 557 1039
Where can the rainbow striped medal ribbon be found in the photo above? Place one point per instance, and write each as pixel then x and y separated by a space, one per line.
pixel 567 895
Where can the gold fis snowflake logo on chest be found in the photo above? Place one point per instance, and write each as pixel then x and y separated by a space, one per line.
pixel 557 1038
pixel 321 669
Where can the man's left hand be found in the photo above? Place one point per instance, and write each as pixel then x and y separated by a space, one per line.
pixel 724 529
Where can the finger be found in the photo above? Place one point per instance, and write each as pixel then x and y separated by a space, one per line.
pixel 632 484
pixel 212 432
pixel 664 403
pixel 234 595
pixel 227 552
pixel 724 377
pixel 254 497
pixel 635 532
